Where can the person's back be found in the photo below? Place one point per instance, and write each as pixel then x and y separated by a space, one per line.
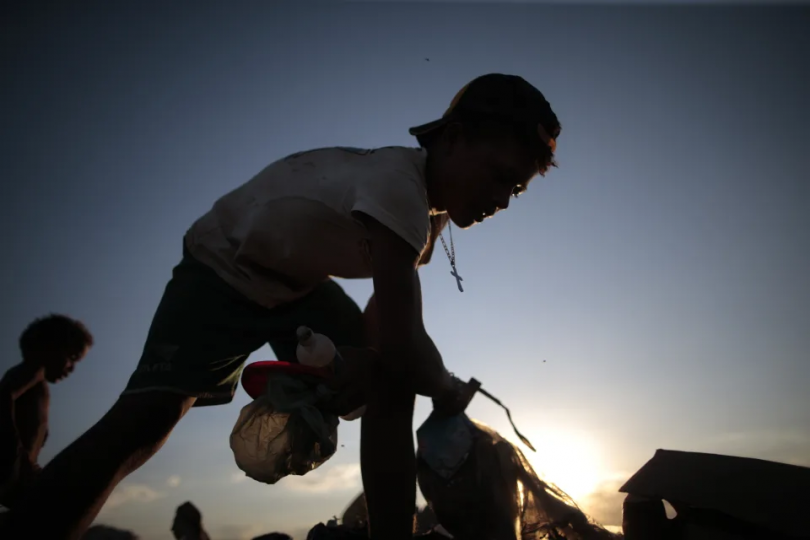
pixel 50 347
pixel 294 224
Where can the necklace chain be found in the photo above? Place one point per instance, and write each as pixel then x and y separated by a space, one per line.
pixel 451 254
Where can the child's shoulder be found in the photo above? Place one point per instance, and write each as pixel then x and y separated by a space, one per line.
pixel 374 155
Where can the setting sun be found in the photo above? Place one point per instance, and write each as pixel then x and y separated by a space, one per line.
pixel 568 459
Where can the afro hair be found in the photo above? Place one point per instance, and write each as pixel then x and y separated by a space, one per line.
pixel 55 332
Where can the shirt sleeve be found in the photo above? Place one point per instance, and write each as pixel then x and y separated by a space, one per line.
pixel 396 197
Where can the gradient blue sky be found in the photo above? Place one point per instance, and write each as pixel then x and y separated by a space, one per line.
pixel 661 271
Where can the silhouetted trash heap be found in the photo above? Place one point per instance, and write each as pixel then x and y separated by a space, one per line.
pixel 716 496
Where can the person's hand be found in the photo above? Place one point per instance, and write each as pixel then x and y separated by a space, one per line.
pixel 428 377
pixel 455 398
pixel 351 379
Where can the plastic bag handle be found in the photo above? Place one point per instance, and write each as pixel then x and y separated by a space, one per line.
pixel 508 415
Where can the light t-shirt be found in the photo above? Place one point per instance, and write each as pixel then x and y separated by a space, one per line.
pixel 292 226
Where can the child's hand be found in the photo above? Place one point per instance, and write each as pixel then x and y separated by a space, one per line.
pixel 455 400
pixel 351 379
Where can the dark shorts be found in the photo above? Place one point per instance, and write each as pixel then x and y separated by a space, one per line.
pixel 203 330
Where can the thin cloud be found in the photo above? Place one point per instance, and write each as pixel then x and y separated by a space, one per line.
pixel 173 481
pixel 238 477
pixel 132 493
pixel 326 479
pixel 784 446
pixel 605 504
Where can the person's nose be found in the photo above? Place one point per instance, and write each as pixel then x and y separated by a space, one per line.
pixel 502 201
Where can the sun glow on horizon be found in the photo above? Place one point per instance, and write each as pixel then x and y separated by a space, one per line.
pixel 568 459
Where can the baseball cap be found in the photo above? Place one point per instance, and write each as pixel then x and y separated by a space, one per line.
pixel 507 97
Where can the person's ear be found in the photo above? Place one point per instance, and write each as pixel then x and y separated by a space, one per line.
pixel 453 137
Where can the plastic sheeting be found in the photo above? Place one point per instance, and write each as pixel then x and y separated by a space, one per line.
pixel 481 487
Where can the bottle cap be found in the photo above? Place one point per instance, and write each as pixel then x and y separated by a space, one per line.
pixel 303 334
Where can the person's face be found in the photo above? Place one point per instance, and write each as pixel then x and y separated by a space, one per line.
pixel 479 178
pixel 59 364
pixel 186 524
pixel 180 529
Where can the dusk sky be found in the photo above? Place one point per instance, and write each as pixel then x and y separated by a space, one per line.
pixel 650 293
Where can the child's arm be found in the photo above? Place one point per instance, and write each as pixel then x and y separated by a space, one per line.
pixel 14 384
pixel 404 343
pixel 371 324
pixel 370 314
pixel 14 453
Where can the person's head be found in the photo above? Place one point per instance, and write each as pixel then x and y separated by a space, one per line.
pixel 498 133
pixel 274 536
pixel 187 522
pixel 56 343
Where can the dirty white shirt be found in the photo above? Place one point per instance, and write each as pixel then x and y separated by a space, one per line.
pixel 293 225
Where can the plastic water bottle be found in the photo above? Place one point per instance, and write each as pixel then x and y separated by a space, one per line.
pixel 314 349
pixel 319 351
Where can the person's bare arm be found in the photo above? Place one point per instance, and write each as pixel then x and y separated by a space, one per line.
pixel 31 419
pixel 371 326
pixel 15 454
pixel 16 382
pixel 403 340
pixel 370 315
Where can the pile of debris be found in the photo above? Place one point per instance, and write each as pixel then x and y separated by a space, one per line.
pixel 716 496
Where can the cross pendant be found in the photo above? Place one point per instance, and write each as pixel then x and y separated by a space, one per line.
pixel 459 279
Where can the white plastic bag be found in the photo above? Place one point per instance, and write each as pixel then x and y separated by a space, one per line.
pixel 283 432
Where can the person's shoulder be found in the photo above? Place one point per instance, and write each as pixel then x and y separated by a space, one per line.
pixel 42 390
pixel 416 156
pixel 14 376
pixel 402 152
pixel 39 392
pixel 391 189
pixel 360 156
pixel 405 153
pixel 396 161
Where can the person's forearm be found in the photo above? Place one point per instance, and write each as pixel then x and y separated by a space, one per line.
pixel 417 354
pixel 420 362
pixel 387 460
pixel 371 324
